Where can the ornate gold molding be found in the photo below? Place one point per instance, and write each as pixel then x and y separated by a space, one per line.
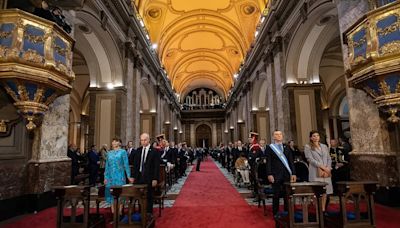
pixel 35 63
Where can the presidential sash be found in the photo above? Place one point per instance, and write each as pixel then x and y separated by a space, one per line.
pixel 281 156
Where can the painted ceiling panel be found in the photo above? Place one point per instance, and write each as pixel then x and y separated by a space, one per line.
pixel 201 43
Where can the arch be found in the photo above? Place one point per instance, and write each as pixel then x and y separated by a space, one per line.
pixel 213 19
pixel 309 42
pixel 259 94
pixel 204 135
pixel 203 75
pixel 147 98
pixel 100 50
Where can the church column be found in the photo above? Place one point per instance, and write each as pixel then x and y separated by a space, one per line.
pixel 49 164
pixel 214 135
pixel 271 96
pixel 282 101
pixel 192 135
pixel 133 77
pixel 136 87
pixel 159 114
pixel 249 115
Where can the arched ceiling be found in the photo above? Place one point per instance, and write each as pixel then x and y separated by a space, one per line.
pixel 201 43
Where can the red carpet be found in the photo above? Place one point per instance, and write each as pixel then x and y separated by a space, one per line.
pixel 209 200
pixel 206 200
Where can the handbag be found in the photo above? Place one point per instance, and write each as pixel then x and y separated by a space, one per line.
pixel 323 174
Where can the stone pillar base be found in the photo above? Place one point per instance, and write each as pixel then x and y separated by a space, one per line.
pixel 43 175
pixel 381 168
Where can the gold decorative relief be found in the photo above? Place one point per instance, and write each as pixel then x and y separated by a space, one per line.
pixel 60 50
pixel 22 66
pixel 389 29
pixel 13 53
pixel 32 56
pixel 384 88
pixel 3 51
pixel 5 35
pixel 154 13
pixel 3 126
pixel 390 48
pixel 34 39
pixel 248 9
pixel 38 95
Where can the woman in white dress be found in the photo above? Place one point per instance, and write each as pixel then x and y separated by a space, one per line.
pixel 319 169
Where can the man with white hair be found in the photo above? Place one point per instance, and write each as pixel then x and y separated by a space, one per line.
pixel 146 168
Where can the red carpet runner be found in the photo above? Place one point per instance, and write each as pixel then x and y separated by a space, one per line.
pixel 208 200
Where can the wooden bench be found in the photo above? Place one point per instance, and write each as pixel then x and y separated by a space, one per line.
pixel 131 193
pixel 73 195
pixel 264 189
pixel 354 194
pixel 160 190
pixel 308 196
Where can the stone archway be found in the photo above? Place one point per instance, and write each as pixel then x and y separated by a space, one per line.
pixel 203 136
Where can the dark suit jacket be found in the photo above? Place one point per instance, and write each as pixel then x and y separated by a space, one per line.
pixel 131 156
pixel 172 155
pixel 151 169
pixel 275 166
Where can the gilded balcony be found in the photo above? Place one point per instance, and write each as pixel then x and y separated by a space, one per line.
pixel 35 62
pixel 374 57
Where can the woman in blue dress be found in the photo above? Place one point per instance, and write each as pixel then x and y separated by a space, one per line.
pixel 117 165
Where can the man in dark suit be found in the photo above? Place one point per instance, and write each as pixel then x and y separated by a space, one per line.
pixel 130 151
pixel 72 153
pixel 173 158
pixel 94 165
pixel 183 157
pixel 146 168
pixel 280 169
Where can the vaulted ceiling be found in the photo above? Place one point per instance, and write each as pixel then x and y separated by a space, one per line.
pixel 201 43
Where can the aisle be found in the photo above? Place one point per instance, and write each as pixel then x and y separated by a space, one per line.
pixel 209 200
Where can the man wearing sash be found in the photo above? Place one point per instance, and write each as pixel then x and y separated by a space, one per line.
pixel 280 169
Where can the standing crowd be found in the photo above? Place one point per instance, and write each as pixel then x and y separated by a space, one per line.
pixel 121 164
pixel 256 163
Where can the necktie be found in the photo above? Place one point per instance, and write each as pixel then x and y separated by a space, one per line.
pixel 143 160
pixel 281 147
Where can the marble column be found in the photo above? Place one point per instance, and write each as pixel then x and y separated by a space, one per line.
pixel 49 164
pixel 271 98
pixel 133 76
pixel 192 135
pixel 282 101
pixel 214 135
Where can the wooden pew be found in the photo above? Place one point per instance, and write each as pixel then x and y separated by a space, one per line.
pixel 306 194
pixel 72 195
pixel 354 193
pixel 160 190
pixel 131 193
pixel 264 189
